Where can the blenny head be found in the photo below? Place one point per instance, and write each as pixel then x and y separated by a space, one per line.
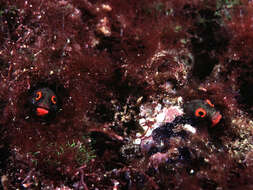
pixel 44 103
pixel 202 110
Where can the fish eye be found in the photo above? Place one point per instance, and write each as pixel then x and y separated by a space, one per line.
pixel 38 95
pixel 200 112
pixel 53 99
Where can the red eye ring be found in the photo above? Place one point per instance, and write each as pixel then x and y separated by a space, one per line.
pixel 200 112
pixel 38 95
pixel 53 99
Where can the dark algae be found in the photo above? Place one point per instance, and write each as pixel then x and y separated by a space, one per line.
pixel 126 95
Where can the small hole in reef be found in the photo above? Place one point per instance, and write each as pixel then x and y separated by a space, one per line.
pixel 87 15
pixel 203 66
pixel 246 94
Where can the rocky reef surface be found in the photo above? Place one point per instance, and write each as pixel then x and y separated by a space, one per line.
pixel 126 95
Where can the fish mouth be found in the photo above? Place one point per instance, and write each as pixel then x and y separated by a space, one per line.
pixel 216 119
pixel 41 111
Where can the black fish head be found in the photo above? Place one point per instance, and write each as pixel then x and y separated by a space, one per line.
pixel 202 110
pixel 45 102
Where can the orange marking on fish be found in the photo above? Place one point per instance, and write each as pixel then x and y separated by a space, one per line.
pixel 200 112
pixel 42 111
pixel 209 103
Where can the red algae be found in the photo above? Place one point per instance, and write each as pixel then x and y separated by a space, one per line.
pixel 122 72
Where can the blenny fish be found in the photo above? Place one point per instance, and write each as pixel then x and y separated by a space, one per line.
pixel 202 110
pixel 45 102
pixel 159 145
